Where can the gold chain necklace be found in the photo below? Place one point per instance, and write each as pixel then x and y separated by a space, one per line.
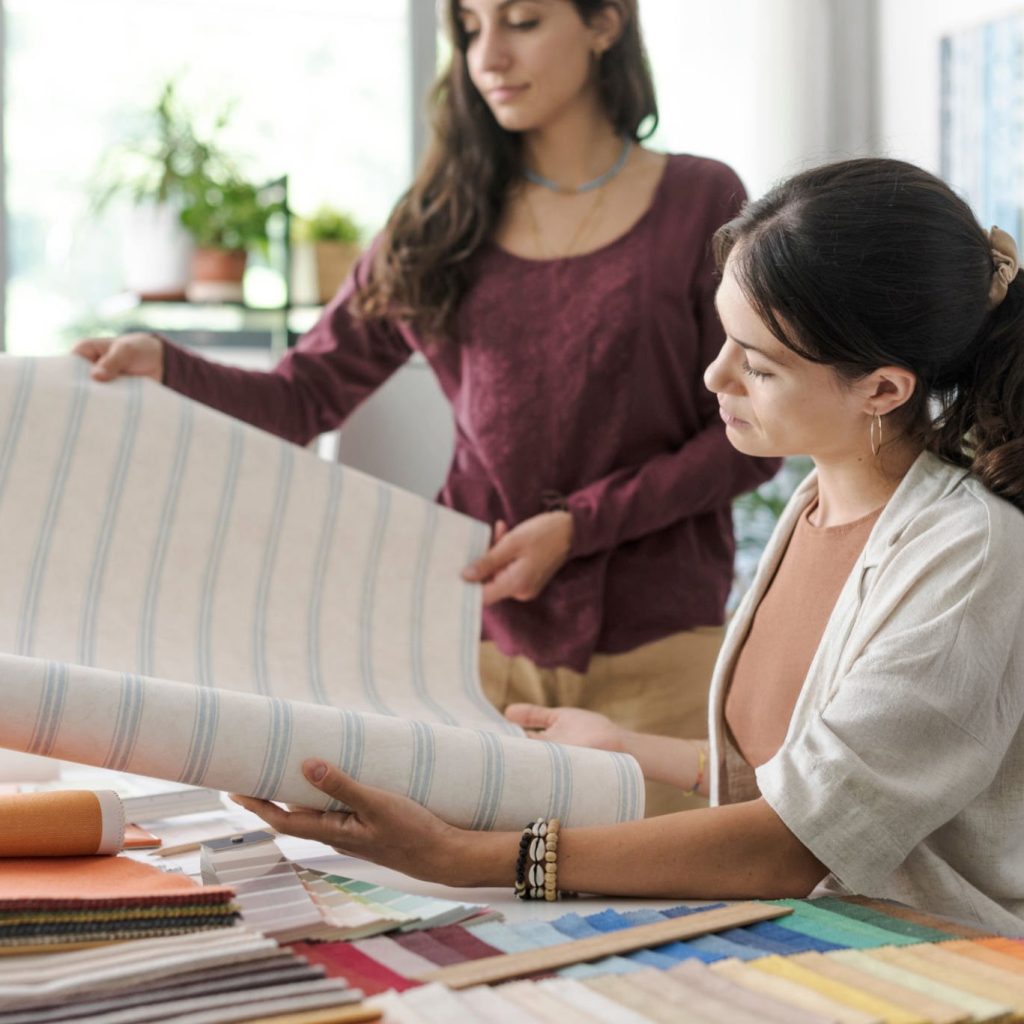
pixel 570 249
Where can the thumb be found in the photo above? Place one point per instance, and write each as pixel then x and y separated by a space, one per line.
pixel 334 782
pixel 489 563
pixel 92 349
pixel 531 716
pixel 110 364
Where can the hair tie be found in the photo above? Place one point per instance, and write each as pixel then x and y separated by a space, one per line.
pixel 1004 255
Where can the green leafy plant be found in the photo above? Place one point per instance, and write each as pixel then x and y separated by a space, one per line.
pixel 227 213
pixel 327 225
pixel 162 156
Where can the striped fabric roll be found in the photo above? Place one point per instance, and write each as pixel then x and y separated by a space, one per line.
pixel 187 597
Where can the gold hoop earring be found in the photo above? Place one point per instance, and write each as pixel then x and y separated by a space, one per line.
pixel 876 446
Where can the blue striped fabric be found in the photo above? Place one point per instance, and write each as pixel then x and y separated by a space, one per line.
pixel 259 633
pixel 147 625
pixel 323 554
pixel 189 597
pixel 115 491
pixel 126 729
pixel 492 783
pixel 424 755
pixel 51 709
pixel 40 559
pixel 204 648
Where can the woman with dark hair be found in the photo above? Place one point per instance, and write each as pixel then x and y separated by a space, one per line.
pixel 559 279
pixel 867 719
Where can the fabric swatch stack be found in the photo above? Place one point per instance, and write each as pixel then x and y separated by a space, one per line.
pixel 200 979
pixel 278 898
pixel 50 902
pixel 838 960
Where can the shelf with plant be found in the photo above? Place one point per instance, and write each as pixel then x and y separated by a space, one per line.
pixel 335 239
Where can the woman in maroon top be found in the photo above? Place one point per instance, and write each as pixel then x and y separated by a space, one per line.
pixel 559 280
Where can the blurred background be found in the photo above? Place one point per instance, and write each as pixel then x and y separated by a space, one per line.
pixel 290 127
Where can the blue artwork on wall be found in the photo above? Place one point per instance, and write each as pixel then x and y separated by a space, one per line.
pixel 983 120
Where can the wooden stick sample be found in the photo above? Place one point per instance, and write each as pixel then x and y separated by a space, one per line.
pixel 515 965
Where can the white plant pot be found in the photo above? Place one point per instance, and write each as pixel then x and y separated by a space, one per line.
pixel 304 291
pixel 156 251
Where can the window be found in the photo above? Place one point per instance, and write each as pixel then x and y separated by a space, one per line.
pixel 321 92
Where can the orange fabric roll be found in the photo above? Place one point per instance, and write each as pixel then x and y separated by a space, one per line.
pixel 66 823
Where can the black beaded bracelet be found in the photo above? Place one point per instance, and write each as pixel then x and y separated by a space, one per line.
pixel 537 863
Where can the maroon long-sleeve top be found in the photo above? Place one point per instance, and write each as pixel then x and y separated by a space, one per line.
pixel 577 377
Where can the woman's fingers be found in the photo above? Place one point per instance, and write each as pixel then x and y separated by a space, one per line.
pixel 324 826
pixel 92 348
pixel 531 716
pixel 335 783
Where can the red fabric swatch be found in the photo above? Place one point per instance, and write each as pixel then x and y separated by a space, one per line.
pixel 342 960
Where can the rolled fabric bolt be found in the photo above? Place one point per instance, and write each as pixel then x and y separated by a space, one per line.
pixel 66 823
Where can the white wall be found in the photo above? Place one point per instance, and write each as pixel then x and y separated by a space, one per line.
pixel 909 35
pixel 755 83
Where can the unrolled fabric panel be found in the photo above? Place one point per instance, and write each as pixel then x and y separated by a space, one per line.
pixel 189 598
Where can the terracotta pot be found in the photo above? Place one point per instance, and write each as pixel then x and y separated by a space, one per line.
pixel 334 260
pixel 217 275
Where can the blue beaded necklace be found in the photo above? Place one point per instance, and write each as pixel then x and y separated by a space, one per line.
pixel 587 186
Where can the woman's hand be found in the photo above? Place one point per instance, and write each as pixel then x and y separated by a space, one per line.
pixel 661 758
pixel 521 561
pixel 382 827
pixel 131 355
pixel 574 726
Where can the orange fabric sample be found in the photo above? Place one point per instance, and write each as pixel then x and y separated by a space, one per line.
pixel 60 824
pixel 95 881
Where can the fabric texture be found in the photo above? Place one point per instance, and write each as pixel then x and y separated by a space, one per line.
pixel 66 823
pixel 576 382
pixel 903 764
pixel 189 598
pixel 661 687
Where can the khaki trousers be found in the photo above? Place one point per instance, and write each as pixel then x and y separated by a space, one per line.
pixel 661 687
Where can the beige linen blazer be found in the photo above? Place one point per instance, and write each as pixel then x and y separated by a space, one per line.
pixel 903 767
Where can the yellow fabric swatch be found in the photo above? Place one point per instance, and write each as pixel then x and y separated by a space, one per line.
pixel 979 1008
pixel 888 1012
pixel 911 1000
pixel 919 958
pixel 789 991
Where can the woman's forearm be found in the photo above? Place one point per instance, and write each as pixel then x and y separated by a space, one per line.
pixel 741 851
pixel 681 763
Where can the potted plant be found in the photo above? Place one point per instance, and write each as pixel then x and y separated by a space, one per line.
pixel 335 238
pixel 226 216
pixel 150 170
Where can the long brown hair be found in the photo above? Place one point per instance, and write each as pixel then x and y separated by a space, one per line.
pixel 422 266
pixel 874 262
